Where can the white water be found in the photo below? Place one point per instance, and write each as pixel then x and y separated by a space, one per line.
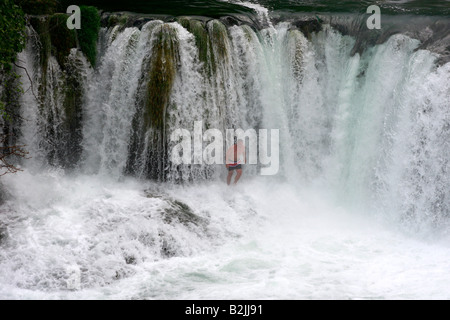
pixel 359 210
pixel 264 240
pixel 110 108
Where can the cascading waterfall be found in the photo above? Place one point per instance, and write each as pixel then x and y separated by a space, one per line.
pixel 110 108
pixel 377 151
pixel 168 86
pixel 101 202
pixel 51 112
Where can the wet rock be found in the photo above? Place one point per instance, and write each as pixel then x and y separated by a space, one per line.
pixel 307 27
pixel 130 260
pixel 3 233
pixel 168 245
pixel 2 194
pixel 230 21
pixel 178 211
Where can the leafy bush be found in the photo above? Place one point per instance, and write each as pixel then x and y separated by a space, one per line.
pixel 88 34
pixel 12 32
pixel 12 41
pixel 38 7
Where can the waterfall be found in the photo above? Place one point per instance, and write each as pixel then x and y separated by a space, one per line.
pixel 354 122
pixel 51 104
pixel 364 129
pixel 110 101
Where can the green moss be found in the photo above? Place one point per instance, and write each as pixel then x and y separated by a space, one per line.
pixel 62 38
pixel 38 7
pixel 12 41
pixel 12 33
pixel 162 75
pixel 207 37
pixel 88 34
pixel 201 38
pixel 294 38
pixel 184 21
pixel 112 21
pixel 248 31
pixel 117 19
pixel 73 96
pixel 9 102
pixel 219 35
pixel 216 45
pixel 42 27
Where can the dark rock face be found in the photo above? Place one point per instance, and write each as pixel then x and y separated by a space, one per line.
pixel 174 212
pixel 307 27
pixel 182 213
pixel 3 233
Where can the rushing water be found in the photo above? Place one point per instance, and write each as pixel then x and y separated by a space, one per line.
pixel 359 209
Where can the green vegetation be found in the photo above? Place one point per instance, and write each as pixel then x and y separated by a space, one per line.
pixel 57 39
pixel 197 28
pixel 210 40
pixel 38 7
pixel 42 28
pixel 117 19
pixel 62 38
pixel 162 76
pixel 12 33
pixel 219 35
pixel 12 41
pixel 88 34
pixel 73 101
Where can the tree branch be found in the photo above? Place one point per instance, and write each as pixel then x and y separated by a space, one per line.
pixel 29 78
pixel 8 151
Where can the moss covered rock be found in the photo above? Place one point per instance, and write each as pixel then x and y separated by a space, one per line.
pixel 198 29
pixel 219 37
pixel 88 34
pixel 116 19
pixel 62 38
pixel 162 75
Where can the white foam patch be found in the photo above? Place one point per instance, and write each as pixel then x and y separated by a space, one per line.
pixel 264 239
